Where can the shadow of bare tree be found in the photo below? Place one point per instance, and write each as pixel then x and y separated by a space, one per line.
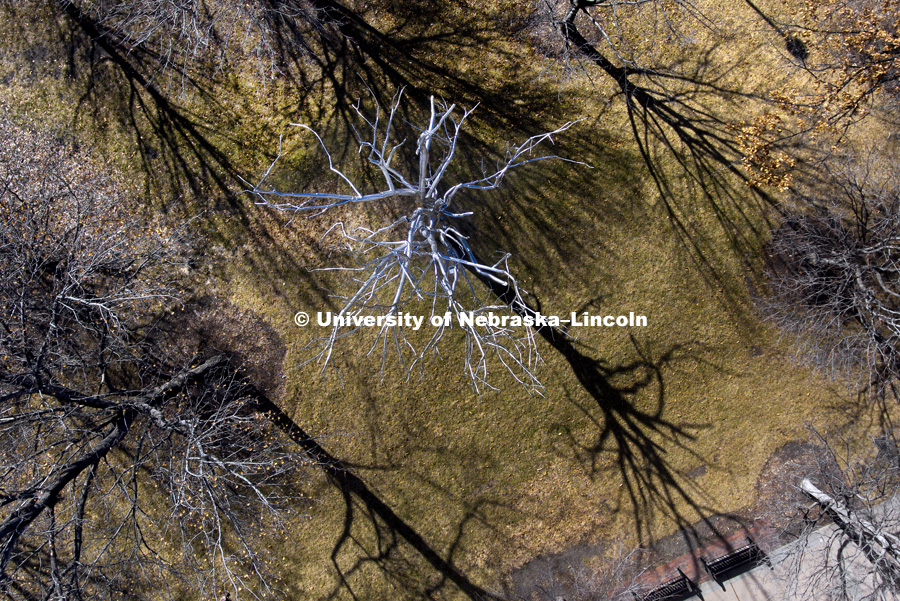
pixel 185 119
pixel 683 141
pixel 637 438
pixel 361 503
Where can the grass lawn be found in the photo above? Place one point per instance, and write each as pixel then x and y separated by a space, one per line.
pixel 650 429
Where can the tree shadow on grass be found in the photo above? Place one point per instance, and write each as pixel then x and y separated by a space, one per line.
pixel 195 149
pixel 692 153
pixel 188 143
pixel 633 443
pixel 575 213
pixel 187 150
pixel 372 533
pixel 628 412
pixel 637 438
pixel 361 503
pixel 186 121
pixel 370 61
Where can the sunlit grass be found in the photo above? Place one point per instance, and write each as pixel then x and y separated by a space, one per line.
pixel 495 480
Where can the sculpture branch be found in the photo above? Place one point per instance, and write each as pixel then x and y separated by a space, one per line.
pixel 421 259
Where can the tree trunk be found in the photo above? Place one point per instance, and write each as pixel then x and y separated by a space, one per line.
pixel 880 547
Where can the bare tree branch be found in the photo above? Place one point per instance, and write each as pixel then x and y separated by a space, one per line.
pixel 422 258
pixel 123 461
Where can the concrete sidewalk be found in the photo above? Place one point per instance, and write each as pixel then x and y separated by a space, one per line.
pixel 791 573
pixel 759 584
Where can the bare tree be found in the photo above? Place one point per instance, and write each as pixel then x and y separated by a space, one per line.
pixel 422 260
pixel 845 543
pixel 853 59
pixel 125 464
pixel 834 273
pixel 191 36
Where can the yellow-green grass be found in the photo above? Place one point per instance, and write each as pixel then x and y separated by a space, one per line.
pixel 491 481
pixel 504 477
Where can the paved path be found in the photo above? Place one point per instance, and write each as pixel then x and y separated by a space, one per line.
pixel 788 574
pixel 759 584
pixel 778 583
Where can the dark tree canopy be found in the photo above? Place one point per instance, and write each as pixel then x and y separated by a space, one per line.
pixel 835 276
pixel 129 459
pixel 194 35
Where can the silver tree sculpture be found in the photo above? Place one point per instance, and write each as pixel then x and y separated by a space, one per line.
pixel 422 261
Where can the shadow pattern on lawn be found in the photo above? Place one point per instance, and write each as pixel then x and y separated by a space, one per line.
pixel 638 438
pixel 326 68
pixel 671 119
pixel 359 498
